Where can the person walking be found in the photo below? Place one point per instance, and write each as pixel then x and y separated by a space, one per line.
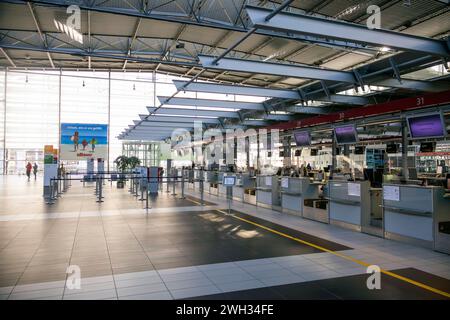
pixel 35 170
pixel 29 167
pixel 75 139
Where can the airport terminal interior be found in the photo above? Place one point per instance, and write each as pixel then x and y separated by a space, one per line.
pixel 224 150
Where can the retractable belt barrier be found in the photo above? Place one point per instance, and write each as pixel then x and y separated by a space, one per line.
pixel 60 185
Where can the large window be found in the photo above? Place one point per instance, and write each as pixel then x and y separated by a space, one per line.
pixel 33 104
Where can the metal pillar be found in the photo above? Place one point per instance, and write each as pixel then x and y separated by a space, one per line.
pixel 333 156
pixel 182 184
pixel 405 173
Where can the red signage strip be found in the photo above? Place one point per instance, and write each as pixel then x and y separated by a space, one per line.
pixel 419 102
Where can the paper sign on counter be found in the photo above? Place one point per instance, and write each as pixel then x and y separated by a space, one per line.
pixel 354 189
pixel 285 183
pixel 391 193
pixel 269 181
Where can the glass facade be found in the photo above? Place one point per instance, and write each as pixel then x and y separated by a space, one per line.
pixel 33 104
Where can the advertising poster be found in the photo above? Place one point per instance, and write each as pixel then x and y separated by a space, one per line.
pixel 81 141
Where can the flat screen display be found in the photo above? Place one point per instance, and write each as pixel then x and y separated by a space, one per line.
pixel 229 181
pixel 302 138
pixel 427 126
pixel 298 153
pixel 346 134
pixel 392 148
pixel 359 150
pixel 427 147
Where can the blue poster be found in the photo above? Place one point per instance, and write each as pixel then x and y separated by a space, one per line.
pixel 81 141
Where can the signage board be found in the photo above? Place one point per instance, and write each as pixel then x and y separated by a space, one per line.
pixel 81 141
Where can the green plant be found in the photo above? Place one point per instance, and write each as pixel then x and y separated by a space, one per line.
pixel 122 163
pixel 133 162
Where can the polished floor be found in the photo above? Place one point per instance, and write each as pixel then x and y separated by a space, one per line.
pixel 179 249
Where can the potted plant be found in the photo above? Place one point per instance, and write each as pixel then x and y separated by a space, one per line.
pixel 122 163
pixel 133 162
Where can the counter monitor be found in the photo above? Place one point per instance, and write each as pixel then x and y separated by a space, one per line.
pixel 427 147
pixel 302 138
pixel 392 148
pixel 425 126
pixel 346 134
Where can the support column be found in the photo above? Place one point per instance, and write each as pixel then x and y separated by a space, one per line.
pixel 109 118
pixel 59 114
pixel 247 151
pixel 333 156
pixel 287 151
pixel 4 123
pixel 405 174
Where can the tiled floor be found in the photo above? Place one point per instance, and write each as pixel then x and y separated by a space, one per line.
pixel 179 249
pixel 343 288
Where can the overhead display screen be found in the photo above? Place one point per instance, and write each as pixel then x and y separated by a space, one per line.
pixel 346 134
pixel 427 126
pixel 302 138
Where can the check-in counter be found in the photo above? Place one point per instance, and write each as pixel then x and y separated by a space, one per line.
pixel 376 210
pixel 238 188
pixel 249 186
pixel 349 203
pixel 212 179
pixel 315 207
pixel 268 192
pixel 245 188
pixel 293 193
pixel 418 215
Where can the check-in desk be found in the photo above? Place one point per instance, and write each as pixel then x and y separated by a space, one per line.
pixel 212 180
pixel 315 207
pixel 268 192
pixel 238 188
pixel 244 190
pixel 349 203
pixel 376 210
pixel 417 214
pixel 293 193
pixel 246 185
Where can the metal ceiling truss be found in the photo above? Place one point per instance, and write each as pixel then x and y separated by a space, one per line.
pixel 335 29
pixel 210 103
pixel 274 23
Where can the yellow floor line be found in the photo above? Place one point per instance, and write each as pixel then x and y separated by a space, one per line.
pixel 362 263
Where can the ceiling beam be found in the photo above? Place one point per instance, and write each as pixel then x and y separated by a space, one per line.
pixel 178 119
pixel 211 103
pixel 277 69
pixel 427 86
pixel 340 30
pixel 255 123
pixel 8 58
pixel 193 112
pixel 130 45
pixel 266 92
pixel 163 124
pixel 44 40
